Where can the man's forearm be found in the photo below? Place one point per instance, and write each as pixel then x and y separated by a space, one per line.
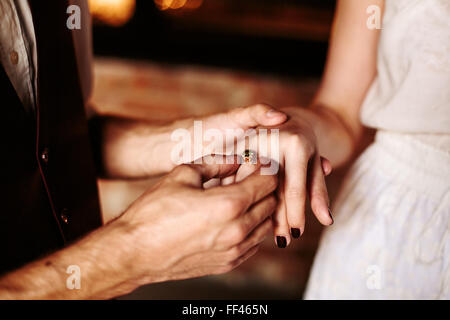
pixel 97 257
pixel 128 148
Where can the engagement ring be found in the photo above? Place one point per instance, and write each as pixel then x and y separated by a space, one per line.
pixel 250 157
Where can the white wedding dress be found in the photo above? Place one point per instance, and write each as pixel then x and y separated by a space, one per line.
pixel 391 237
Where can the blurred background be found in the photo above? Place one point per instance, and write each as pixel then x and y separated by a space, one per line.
pixel 165 59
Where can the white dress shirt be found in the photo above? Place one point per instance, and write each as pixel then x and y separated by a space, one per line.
pixel 18 53
pixel 18 49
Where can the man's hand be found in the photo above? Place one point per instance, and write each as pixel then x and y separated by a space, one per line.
pixel 181 230
pixel 176 230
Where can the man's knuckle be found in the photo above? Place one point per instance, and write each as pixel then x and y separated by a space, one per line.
pixel 233 205
pixel 239 232
pixel 233 253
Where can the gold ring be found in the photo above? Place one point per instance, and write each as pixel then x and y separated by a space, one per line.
pixel 250 156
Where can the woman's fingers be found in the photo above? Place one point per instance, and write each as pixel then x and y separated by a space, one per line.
pixel 318 192
pixel 279 218
pixel 296 181
pixel 296 168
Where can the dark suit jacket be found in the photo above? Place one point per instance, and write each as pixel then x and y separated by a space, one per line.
pixel 48 181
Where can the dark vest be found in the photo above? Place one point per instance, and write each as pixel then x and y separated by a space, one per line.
pixel 48 192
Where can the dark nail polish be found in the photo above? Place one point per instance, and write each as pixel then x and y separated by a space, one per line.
pixel 295 233
pixel 281 242
pixel 331 215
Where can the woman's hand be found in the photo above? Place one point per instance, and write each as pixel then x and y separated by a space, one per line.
pixel 302 171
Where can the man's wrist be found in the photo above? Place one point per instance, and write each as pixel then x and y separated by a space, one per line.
pixel 106 261
pixel 97 266
pixel 130 257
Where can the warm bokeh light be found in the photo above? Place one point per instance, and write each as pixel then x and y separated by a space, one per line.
pixel 112 12
pixel 178 4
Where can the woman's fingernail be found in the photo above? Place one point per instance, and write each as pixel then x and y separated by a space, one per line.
pixel 273 113
pixel 331 215
pixel 281 242
pixel 295 233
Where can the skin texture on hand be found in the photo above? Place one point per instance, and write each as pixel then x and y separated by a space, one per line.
pixel 204 231
pixel 176 230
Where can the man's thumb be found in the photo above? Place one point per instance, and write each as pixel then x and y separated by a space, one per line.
pixel 210 167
